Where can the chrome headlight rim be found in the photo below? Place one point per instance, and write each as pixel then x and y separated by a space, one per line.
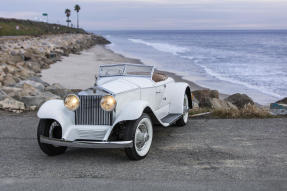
pixel 78 102
pixel 113 107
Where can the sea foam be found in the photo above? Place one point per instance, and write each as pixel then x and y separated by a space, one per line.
pixel 163 47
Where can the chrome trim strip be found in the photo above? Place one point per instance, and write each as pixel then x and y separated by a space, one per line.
pixel 86 144
pixel 91 113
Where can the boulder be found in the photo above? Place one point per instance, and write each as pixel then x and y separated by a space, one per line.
pixel 2 76
pixel 11 91
pixel 3 95
pixel 282 101
pixel 39 80
pixel 206 93
pixel 9 80
pixel 35 84
pixel 38 99
pixel 57 89
pixel 25 73
pixel 218 104
pixel 12 69
pixel 240 100
pixel 3 68
pixel 205 97
pixel 16 58
pixel 29 90
pixel 11 104
pixel 34 66
pixel 205 102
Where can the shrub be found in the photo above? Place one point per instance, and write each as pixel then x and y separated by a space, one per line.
pixel 248 111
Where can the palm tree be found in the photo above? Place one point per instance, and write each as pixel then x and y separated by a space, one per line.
pixel 68 14
pixel 77 8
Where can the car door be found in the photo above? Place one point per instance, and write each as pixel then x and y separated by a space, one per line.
pixel 159 95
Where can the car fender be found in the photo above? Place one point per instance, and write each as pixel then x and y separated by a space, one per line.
pixel 132 111
pixel 55 109
pixel 176 92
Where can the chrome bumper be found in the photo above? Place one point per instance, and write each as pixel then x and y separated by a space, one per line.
pixel 86 144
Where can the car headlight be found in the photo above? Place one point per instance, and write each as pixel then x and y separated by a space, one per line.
pixel 72 102
pixel 108 103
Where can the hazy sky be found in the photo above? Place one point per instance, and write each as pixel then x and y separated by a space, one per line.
pixel 156 14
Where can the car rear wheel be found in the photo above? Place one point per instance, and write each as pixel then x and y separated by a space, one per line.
pixel 184 118
pixel 141 132
pixel 52 129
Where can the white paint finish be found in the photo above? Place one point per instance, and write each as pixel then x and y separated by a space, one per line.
pixel 133 95
pixel 149 95
pixel 162 112
pixel 124 99
pixel 175 93
pixel 91 132
pixel 119 86
pixel 141 82
pixel 159 94
pixel 55 109
pixel 133 110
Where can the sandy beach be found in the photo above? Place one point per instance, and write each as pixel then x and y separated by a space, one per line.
pixel 77 71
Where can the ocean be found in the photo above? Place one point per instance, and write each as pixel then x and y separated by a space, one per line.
pixel 250 62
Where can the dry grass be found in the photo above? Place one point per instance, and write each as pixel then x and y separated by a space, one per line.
pixel 249 111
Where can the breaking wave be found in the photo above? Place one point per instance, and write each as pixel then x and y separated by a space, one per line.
pixel 163 47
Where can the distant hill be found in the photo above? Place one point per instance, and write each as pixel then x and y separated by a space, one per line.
pixel 14 27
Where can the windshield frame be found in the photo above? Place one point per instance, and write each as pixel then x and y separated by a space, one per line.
pixel 124 73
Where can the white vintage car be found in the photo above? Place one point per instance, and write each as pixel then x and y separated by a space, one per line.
pixel 118 112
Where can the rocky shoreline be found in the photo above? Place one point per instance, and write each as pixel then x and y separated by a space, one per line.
pixel 22 87
pixel 22 60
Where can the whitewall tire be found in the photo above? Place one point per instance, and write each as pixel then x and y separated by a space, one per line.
pixel 140 131
pixel 184 118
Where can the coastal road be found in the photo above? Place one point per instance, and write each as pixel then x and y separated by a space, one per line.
pixel 207 154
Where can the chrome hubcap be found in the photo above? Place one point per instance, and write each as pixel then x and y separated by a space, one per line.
pixel 52 133
pixel 185 108
pixel 52 128
pixel 142 136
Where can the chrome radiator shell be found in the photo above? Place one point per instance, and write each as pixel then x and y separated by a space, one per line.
pixel 91 113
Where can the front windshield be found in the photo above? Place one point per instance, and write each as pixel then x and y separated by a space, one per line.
pixel 125 70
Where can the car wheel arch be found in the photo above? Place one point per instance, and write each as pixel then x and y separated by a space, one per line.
pixel 147 110
pixel 151 114
pixel 188 93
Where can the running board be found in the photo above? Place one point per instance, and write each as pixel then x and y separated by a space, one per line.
pixel 171 118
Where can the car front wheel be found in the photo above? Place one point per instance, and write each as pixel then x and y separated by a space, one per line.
pixel 52 129
pixel 141 132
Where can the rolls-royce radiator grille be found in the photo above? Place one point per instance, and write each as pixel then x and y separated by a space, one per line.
pixel 91 113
